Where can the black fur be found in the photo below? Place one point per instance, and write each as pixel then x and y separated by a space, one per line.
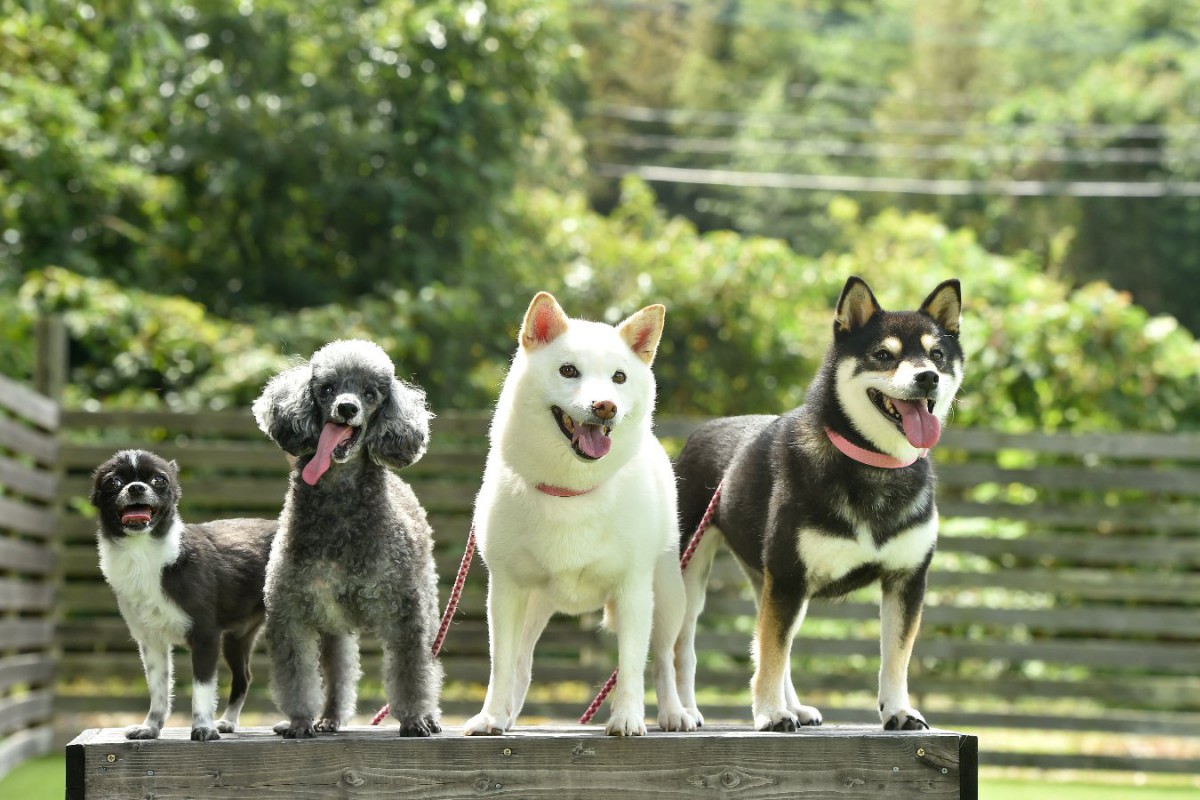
pixel 782 474
pixel 216 579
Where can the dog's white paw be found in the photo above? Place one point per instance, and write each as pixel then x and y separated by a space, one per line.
pixel 225 726
pixel 806 715
pixel 141 732
pixel 485 724
pixel 204 733
pixel 903 719
pixel 626 722
pixel 677 719
pixel 695 714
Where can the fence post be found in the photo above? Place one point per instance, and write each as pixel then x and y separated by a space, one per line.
pixel 51 359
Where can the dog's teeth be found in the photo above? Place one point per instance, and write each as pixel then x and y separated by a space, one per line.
pixel 607 430
pixel 570 423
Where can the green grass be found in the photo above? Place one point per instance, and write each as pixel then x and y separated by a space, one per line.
pixel 44 779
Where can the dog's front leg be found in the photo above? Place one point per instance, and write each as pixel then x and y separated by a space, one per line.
pixel 781 610
pixel 157 664
pixel 900 618
pixel 506 607
pixel 634 618
pixel 670 606
pixel 295 674
pixel 339 667
pixel 205 646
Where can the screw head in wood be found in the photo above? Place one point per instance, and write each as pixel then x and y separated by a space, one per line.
pixel 920 751
pixel 507 751
pixel 110 758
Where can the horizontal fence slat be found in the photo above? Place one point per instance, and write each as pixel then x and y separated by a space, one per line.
pixel 1153 479
pixel 26 634
pixel 17 595
pixel 27 669
pixel 1140 551
pixel 1081 516
pixel 24 518
pixel 23 479
pixel 42 447
pixel 1092 584
pixel 24 745
pixel 28 404
pixel 25 710
pixel 29 558
pixel 1131 445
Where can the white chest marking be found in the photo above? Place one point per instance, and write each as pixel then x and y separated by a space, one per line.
pixel 133 568
pixel 828 558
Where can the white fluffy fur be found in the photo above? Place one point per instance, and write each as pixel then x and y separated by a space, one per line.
pixel 133 568
pixel 613 547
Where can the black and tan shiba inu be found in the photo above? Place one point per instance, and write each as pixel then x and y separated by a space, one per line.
pixel 831 496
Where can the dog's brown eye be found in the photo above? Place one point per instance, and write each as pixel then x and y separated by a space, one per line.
pixel 618 377
pixel 114 483
pixel 568 371
pixel 325 391
pixel 884 355
pixel 370 395
pixel 158 482
pixel 937 354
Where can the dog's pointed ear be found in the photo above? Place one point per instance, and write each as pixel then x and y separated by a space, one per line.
pixel 856 306
pixel 544 322
pixel 944 304
pixel 643 331
pixel 287 413
pixel 399 433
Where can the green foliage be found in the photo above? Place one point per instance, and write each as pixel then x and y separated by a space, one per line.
pixel 284 153
pixel 748 321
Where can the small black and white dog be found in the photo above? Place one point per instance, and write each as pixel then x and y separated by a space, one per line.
pixel 831 496
pixel 199 585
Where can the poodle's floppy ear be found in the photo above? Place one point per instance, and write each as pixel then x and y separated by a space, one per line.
pixel 287 413
pixel 399 433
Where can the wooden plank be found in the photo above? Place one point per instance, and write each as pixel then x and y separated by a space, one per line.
pixel 1078 478
pixel 1123 446
pixel 1148 516
pixel 549 762
pixel 25 480
pixel 26 669
pixel 18 595
pixel 28 558
pixel 23 518
pixel 43 447
pixel 1140 551
pixel 26 634
pixel 1095 584
pixel 28 404
pixel 24 745
pixel 1074 761
pixel 25 710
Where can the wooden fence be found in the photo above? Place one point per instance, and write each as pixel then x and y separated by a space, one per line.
pixel 28 490
pixel 1065 596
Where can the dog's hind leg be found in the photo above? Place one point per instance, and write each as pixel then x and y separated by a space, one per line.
pixel 900 618
pixel 695 582
pixel 237 649
pixel 412 677
pixel 780 612
pixel 537 616
pixel 206 648
pixel 340 669
pixel 156 661
pixel 670 606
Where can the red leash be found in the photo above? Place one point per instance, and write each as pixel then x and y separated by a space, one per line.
pixel 688 552
pixel 448 614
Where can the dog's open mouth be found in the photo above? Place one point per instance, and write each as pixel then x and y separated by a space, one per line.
pixel 137 516
pixel 914 418
pixel 336 443
pixel 587 440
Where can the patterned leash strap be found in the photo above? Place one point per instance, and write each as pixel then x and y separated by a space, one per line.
pixel 688 552
pixel 448 614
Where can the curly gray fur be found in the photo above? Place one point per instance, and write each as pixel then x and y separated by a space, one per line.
pixel 354 553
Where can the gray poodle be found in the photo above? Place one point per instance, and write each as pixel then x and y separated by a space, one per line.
pixel 354 549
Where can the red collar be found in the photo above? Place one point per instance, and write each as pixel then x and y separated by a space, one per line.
pixel 562 491
pixel 870 457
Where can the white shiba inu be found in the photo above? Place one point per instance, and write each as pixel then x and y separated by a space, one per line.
pixel 577 511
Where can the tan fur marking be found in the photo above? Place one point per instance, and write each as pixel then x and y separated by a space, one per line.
pixel 892 345
pixel 771 638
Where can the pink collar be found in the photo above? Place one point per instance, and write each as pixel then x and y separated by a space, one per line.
pixel 562 491
pixel 870 457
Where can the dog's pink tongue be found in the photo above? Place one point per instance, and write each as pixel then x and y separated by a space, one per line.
pixel 591 440
pixel 921 428
pixel 331 436
pixel 136 514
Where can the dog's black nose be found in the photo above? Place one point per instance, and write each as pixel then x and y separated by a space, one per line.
pixel 347 410
pixel 927 380
pixel 137 488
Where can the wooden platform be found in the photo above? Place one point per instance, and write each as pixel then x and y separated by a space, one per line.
pixel 560 762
